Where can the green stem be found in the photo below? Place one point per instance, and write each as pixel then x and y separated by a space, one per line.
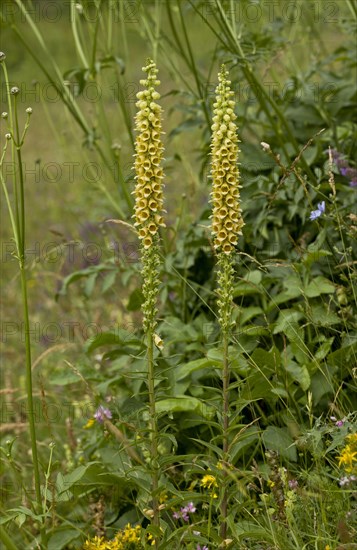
pixel 95 39
pixel 153 427
pixel 225 423
pixel 19 234
pixel 6 540
pixel 29 387
pixel 150 262
pixel 76 37
pixel 225 303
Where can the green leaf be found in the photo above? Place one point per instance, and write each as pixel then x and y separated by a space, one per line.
pixel 184 404
pixel 320 315
pixel 120 337
pixel 108 281
pixel 136 299
pixel 319 285
pixel 324 349
pixel 250 284
pixel 279 440
pixel 321 385
pixel 246 439
pixel 64 378
pixel 182 371
pixel 76 475
pixel 62 537
pixel 248 529
pixel 287 318
pixel 91 272
pixel 263 358
pixel 248 313
pixel 300 374
pixel 90 284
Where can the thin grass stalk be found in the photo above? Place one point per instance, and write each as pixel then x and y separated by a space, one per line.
pixel 75 34
pixel 18 224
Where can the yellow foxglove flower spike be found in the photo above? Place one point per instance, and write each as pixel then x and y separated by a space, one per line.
pixel 226 215
pixel 148 156
pixel 227 224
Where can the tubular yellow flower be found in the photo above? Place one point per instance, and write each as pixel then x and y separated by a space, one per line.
pixel 226 216
pixel 149 151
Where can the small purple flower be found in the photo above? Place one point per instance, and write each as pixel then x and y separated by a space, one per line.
pixel 190 508
pixel 346 480
pixel 293 483
pixel 101 413
pixel 317 213
pixel 344 168
pixel 199 547
pixel 184 512
pixel 339 423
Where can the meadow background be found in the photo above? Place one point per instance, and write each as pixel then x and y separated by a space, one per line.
pixel 292 352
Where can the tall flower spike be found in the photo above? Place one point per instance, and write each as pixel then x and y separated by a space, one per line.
pixel 148 156
pixel 227 224
pixel 148 220
pixel 148 191
pixel 227 220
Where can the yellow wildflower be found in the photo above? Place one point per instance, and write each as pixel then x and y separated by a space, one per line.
pixel 208 481
pixel 96 543
pixel 347 457
pixel 352 439
pixel 89 424
pixel 227 221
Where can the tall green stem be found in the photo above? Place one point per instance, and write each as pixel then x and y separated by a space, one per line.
pixel 18 224
pixel 225 423
pixel 225 287
pixel 153 425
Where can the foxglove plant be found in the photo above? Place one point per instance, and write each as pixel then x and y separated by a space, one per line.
pixel 227 224
pixel 148 219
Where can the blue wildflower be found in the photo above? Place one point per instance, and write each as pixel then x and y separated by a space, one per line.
pixel 317 213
